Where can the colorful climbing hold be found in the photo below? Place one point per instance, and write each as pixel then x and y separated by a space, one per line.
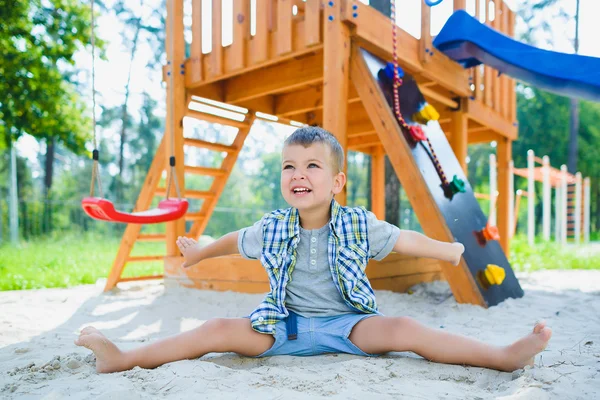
pixel 457 185
pixel 492 275
pixel 490 232
pixel 389 71
pixel 416 133
pixel 425 114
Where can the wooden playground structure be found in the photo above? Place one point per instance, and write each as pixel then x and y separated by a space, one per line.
pixel 301 64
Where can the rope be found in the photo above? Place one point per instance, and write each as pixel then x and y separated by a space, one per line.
pixel 95 169
pixel 397 84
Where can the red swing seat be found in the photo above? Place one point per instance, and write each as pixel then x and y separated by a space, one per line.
pixel 104 210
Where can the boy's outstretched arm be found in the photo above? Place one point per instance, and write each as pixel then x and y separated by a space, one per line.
pixel 193 253
pixel 416 244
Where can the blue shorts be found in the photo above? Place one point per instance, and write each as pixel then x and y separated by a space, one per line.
pixel 317 335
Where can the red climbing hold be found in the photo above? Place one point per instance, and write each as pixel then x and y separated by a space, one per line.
pixel 416 133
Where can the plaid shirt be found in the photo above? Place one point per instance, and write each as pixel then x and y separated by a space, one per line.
pixel 348 250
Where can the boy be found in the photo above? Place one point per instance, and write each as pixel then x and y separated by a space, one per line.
pixel 315 253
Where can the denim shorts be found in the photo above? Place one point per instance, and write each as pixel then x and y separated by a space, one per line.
pixel 317 335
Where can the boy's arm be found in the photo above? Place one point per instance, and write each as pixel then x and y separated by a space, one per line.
pixel 225 245
pixel 416 244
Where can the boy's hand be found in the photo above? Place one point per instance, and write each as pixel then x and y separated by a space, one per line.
pixel 190 250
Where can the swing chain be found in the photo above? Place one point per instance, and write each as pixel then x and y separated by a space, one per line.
pixel 95 153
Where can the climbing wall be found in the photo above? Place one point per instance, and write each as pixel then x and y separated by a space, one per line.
pixel 461 213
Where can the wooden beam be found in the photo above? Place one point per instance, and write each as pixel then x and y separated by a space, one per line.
pixel 360 142
pixel 195 65
pixel 176 106
pixel 378 182
pixel 336 80
pixel 490 118
pixel 483 136
pixel 367 29
pixel 312 17
pixel 215 63
pixel 432 220
pixel 284 27
pixel 431 94
pixel 275 79
pixel 305 100
pixel 426 46
pixel 504 156
pixel 237 55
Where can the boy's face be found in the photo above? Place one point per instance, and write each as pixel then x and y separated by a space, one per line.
pixel 308 178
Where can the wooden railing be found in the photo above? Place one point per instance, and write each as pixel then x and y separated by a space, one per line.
pixel 284 29
pixel 496 92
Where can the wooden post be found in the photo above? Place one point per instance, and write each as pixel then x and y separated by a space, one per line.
pixel 586 210
pixel 196 45
pixel 241 32
pixel 284 27
pixel 564 191
pixel 312 23
pixel 426 48
pixel 336 65
pixel 493 189
pixel 260 41
pixel 176 106
pixel 458 138
pixel 530 197
pixel 378 182
pixel 460 5
pixel 547 193
pixel 578 207
pixel 511 196
pixel 216 56
pixel 504 155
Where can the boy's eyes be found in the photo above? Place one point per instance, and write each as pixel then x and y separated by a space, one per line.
pixel 309 166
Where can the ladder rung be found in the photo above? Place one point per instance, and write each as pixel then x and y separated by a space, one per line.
pixel 199 194
pixel 141 278
pixel 209 145
pixel 194 216
pixel 205 171
pixel 145 258
pixel 158 237
pixel 215 118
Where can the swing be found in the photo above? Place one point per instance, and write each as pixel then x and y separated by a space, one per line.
pixel 102 209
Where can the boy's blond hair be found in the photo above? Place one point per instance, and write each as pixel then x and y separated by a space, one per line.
pixel 309 135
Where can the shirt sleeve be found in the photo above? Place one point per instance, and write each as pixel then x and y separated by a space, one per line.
pixel 382 236
pixel 250 240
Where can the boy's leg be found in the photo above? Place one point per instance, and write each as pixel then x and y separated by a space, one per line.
pixel 377 335
pixel 216 335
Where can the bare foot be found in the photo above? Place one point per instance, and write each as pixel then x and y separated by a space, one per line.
pixel 459 249
pixel 108 356
pixel 190 250
pixel 522 352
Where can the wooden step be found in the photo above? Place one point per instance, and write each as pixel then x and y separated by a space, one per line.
pixel 189 194
pixel 205 171
pixel 154 237
pixel 194 216
pixel 209 145
pixel 212 118
pixel 145 258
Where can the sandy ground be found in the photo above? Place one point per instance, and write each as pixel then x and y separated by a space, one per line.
pixel 39 360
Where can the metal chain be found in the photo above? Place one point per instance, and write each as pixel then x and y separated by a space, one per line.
pixel 95 169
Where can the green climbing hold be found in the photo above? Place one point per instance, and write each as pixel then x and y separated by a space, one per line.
pixel 457 185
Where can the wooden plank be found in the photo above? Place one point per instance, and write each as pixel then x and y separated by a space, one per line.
pixel 490 118
pixel 361 142
pixel 237 54
pixel 504 156
pixel 176 106
pixel 459 137
pixel 496 79
pixel 259 43
pixel 368 32
pixel 487 71
pixel 216 53
pixel 210 145
pixel 145 258
pixel 290 75
pixel 460 5
pixel 214 119
pixel 504 94
pixel 144 200
pixel 305 100
pixel 512 85
pixel 154 237
pixel 424 205
pixel 378 182
pixel 336 81
pixel 195 65
pixel 425 44
pixel 312 18
pixel 431 94
pixel 141 278
pixel 401 284
pixel 204 171
pixel 284 27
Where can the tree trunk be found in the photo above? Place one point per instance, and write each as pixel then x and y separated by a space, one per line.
pixel 49 173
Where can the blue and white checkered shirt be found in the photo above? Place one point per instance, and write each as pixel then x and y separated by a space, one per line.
pixel 348 250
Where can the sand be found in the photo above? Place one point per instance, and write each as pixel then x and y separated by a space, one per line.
pixel 39 360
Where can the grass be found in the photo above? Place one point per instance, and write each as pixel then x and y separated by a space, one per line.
pixel 69 260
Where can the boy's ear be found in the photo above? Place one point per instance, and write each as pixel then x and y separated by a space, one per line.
pixel 338 182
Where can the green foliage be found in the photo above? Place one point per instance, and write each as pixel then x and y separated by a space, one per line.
pixel 39 40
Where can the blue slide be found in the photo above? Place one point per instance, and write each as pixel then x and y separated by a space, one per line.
pixel 469 42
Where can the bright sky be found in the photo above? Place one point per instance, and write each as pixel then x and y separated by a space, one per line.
pixel 111 75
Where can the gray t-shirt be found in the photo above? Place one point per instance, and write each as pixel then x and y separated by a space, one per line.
pixel 311 291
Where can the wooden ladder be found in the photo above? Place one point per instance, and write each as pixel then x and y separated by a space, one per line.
pixel 150 189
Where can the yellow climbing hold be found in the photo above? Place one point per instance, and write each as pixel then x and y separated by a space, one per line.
pixel 425 114
pixel 494 274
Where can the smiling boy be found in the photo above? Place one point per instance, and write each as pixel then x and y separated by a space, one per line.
pixel 315 253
